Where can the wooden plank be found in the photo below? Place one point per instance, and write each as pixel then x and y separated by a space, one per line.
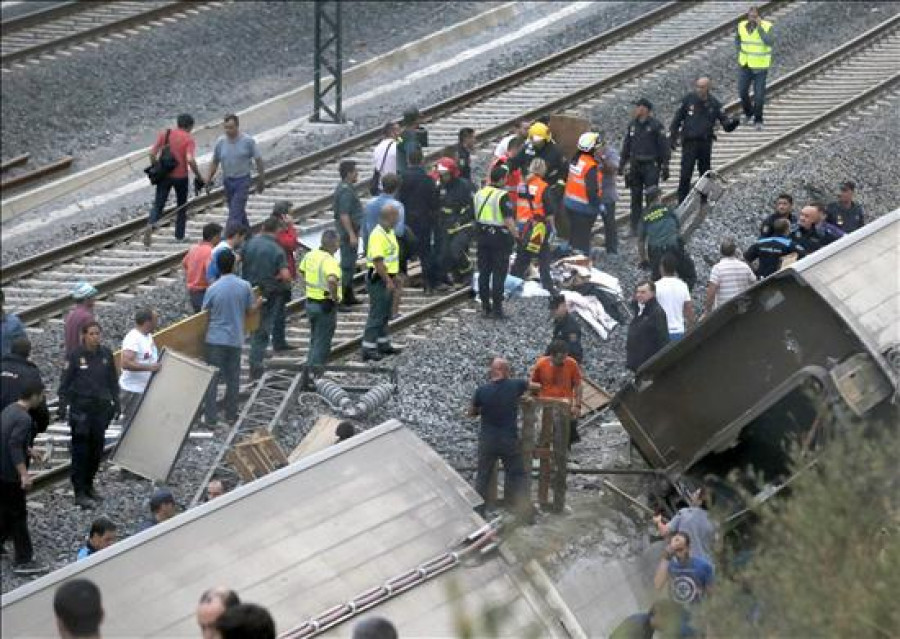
pixel 256 456
pixel 321 436
pixel 593 397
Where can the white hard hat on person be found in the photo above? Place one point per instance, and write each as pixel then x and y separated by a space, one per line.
pixel 587 142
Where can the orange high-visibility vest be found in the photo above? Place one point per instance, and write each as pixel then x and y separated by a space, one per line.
pixel 576 189
pixel 527 208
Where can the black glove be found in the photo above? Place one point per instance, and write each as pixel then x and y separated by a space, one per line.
pixel 328 305
pixel 664 173
pixel 61 412
pixel 199 185
pixel 731 125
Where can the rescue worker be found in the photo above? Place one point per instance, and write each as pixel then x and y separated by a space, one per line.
pixel 540 144
pixel 464 152
pixel 813 231
pixel 514 177
pixel 645 157
pixel 660 234
pixel 768 252
pixel 322 278
pixel 89 393
pixel 348 215
pixel 455 227
pixel 784 209
pixel 754 39
pixel 694 124
pixel 534 209
pixel 494 231
pixel 583 192
pixel 383 260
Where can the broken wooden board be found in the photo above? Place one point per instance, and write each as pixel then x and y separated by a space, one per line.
pixel 321 436
pixel 593 397
pixel 256 456
pixel 566 129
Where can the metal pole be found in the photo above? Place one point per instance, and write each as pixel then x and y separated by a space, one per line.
pixel 328 59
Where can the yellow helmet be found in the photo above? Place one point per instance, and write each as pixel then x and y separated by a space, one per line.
pixel 587 142
pixel 539 130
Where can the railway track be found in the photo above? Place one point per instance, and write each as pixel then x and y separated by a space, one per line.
pixel 116 260
pixel 71 26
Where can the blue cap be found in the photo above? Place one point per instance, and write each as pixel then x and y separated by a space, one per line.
pixel 161 496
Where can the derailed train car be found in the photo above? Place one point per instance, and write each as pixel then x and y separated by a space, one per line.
pixel 752 377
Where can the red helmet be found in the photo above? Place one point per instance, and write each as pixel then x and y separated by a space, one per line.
pixel 447 165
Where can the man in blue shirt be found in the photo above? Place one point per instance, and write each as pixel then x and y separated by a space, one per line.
pixel 102 535
pixel 13 328
pixel 497 402
pixel 689 578
pixel 227 302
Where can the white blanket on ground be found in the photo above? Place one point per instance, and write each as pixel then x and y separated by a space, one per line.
pixel 591 311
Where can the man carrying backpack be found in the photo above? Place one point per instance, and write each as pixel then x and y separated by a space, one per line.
pixel 170 156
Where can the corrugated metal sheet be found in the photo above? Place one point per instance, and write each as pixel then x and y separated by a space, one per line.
pixel 303 539
pixel 859 276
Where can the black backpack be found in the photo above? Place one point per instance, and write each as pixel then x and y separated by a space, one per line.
pixel 164 164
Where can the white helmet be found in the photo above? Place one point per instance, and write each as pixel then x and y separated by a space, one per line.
pixel 588 141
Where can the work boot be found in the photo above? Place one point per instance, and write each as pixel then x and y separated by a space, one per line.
pixel 498 314
pixel 389 350
pixel 93 494
pixel 281 348
pixel 371 355
pixel 256 373
pixel 29 568
pixel 486 309
pixel 83 501
pixel 349 297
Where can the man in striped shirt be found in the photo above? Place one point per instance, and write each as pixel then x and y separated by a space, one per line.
pixel 730 277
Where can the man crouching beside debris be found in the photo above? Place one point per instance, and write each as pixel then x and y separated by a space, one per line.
pixel 689 578
pixel 497 402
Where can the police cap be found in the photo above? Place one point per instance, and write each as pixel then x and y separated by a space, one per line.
pixel 644 102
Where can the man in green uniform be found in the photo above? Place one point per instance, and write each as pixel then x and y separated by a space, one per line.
pixel 383 259
pixel 348 215
pixel 659 234
pixel 322 276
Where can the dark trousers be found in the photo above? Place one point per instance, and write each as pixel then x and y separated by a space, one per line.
pixel 523 261
pixel 159 202
pixel 581 229
pixel 643 173
pixel 505 448
pixel 610 234
pixel 321 331
pixel 14 521
pixel 348 261
pixel 260 340
pixel 278 335
pixel 196 299
pixel 454 255
pixel 88 425
pixel 228 360
pixel 423 230
pixel 494 247
pixel 693 152
pixel 375 335
pixel 756 78
pixel 237 192
pixel 438 266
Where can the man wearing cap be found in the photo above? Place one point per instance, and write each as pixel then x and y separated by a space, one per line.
pixel 456 220
pixel 409 138
pixel 846 214
pixel 80 316
pixel 12 328
pixel 645 157
pixel 162 507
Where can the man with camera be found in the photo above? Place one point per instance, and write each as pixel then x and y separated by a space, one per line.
pixel 170 156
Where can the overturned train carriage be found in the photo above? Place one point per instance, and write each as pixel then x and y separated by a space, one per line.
pixel 755 373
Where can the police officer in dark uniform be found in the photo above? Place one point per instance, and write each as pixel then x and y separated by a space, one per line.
pixel 660 233
pixel 566 328
pixel 694 124
pixel 456 222
pixel 768 252
pixel 813 231
pixel 89 393
pixel 17 372
pixel 645 156
pixel 464 152
pixel 495 228
pixel 784 209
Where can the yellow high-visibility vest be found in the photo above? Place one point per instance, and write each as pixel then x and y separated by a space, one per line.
pixel 383 244
pixel 754 53
pixel 487 206
pixel 316 267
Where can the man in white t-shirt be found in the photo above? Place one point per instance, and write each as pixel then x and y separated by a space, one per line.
pixel 140 360
pixel 675 298
pixel 384 156
pixel 519 130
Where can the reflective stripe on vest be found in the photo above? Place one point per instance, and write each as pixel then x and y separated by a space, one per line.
pixel 754 53
pixel 313 269
pixel 385 244
pixel 528 207
pixel 536 234
pixel 576 189
pixel 487 206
